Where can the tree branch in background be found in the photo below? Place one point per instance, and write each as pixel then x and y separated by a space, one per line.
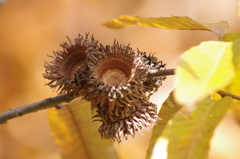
pixel 55 101
pixel 44 104
pixel 224 94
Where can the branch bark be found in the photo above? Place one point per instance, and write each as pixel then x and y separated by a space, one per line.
pixel 167 72
pixel 44 104
pixel 224 94
pixel 55 101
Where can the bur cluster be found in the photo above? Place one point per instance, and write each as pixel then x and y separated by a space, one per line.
pixel 114 78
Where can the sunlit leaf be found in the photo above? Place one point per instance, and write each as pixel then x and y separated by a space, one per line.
pixel 203 69
pixel 175 22
pixel 188 133
pixel 234 86
pixel 231 37
pixel 235 110
pixel 168 109
pixel 76 134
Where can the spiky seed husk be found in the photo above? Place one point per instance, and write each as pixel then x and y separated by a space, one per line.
pixel 153 83
pixel 68 69
pixel 119 128
pixel 117 73
pixel 117 92
pixel 114 78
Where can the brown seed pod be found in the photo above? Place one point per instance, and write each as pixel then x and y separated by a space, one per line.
pixel 117 91
pixel 130 121
pixel 116 73
pixel 113 78
pixel 67 67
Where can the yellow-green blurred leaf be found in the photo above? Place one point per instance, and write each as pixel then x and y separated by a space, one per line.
pixel 175 22
pixel 167 111
pixel 203 69
pixel 76 134
pixel 234 86
pixel 231 37
pixel 215 96
pixel 235 110
pixel 236 52
pixel 188 133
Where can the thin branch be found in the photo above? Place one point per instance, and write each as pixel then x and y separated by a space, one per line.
pixel 224 94
pixel 55 101
pixel 172 72
pixel 167 72
pixel 44 104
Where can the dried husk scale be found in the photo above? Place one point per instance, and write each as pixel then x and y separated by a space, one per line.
pixel 153 83
pixel 143 118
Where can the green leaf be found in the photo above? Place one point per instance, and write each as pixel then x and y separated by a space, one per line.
pixel 231 37
pixel 188 134
pixel 76 134
pixel 234 86
pixel 236 52
pixel 167 111
pixel 235 111
pixel 203 69
pixel 175 22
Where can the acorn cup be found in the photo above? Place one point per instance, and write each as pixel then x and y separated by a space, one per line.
pixel 68 66
pixel 118 87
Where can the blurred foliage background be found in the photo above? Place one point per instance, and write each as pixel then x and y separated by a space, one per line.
pixel 29 30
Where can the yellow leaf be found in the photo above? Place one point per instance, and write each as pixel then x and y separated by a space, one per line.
pixel 175 22
pixel 235 111
pixel 203 69
pixel 187 134
pixel 76 134
pixel 231 37
pixel 234 86
pixel 167 111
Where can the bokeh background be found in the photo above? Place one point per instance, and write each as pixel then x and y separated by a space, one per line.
pixel 31 29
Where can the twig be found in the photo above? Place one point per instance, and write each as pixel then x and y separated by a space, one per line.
pixel 55 101
pixel 172 72
pixel 224 94
pixel 167 72
pixel 44 104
